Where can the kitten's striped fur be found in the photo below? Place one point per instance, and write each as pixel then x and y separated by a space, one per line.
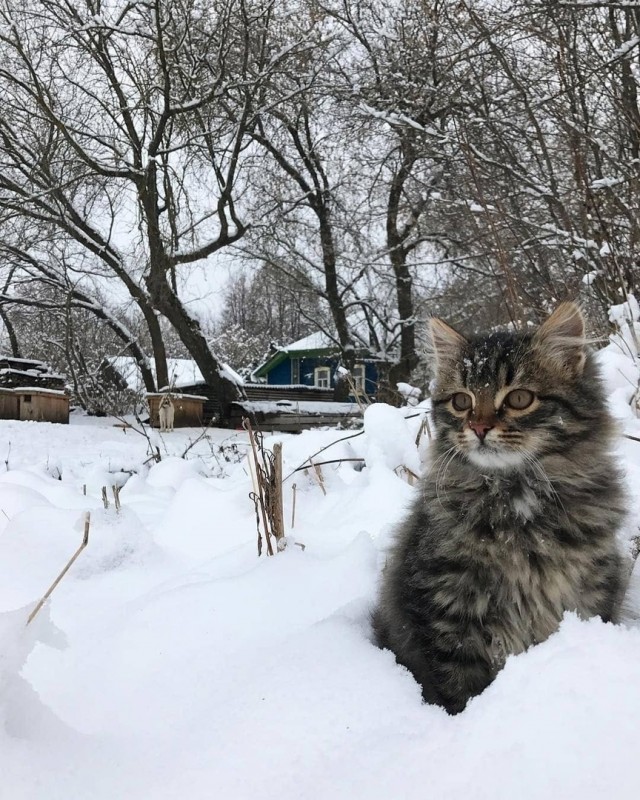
pixel 518 512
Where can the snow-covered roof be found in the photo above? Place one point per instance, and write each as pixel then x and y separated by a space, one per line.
pixel 31 373
pixel 33 390
pixel 314 341
pixel 178 396
pixel 182 371
pixel 301 407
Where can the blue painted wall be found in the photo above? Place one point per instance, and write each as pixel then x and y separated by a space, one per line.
pixel 281 374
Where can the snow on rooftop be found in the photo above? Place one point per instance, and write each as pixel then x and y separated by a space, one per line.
pixel 314 341
pixel 313 407
pixel 182 371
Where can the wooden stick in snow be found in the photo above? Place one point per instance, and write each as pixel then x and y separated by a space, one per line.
pixel 49 592
pixel 293 506
pixel 278 514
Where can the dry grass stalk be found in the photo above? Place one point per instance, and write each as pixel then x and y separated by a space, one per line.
pixel 404 472
pixel 266 475
pixel 105 497
pixel 320 477
pixel 50 590
pixel 116 496
pixel 360 396
pixel 424 426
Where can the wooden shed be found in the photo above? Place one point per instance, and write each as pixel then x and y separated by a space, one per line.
pixel 41 405
pixel 188 408
pixel 8 404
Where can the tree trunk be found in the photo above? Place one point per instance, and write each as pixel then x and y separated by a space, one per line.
pixel 396 245
pixel 157 344
pixel 191 336
pixel 11 333
pixel 167 302
pixel 336 306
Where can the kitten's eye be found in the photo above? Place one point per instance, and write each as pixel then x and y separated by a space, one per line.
pixel 461 401
pixel 519 399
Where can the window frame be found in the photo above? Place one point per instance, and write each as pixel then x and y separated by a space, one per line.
pixel 295 371
pixel 316 377
pixel 359 377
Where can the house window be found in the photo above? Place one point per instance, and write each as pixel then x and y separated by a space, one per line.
pixel 295 371
pixel 358 377
pixel 322 377
pixel 26 398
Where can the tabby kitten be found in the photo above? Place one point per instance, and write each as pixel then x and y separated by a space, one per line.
pixel 517 516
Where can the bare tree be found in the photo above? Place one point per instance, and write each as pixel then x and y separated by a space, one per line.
pixel 116 135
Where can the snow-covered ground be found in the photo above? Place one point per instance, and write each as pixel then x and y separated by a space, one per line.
pixel 172 662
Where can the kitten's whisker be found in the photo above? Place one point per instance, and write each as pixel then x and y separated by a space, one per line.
pixel 446 459
pixel 540 471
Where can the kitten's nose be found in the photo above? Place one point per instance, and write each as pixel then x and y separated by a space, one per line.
pixel 481 429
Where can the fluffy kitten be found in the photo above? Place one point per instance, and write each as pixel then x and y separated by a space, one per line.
pixel 518 512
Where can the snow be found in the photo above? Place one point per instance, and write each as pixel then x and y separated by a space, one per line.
pixel 33 390
pixel 231 375
pixel 171 661
pixel 411 394
pixel 182 371
pixel 315 341
pixel 283 406
pixel 177 395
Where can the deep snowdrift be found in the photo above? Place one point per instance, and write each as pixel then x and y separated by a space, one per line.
pixel 173 662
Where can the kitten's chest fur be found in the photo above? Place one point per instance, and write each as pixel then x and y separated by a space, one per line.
pixel 506 529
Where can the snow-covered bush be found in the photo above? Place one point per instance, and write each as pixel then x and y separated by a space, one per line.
pixel 620 359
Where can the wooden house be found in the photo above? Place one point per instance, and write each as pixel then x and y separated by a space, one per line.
pixel 312 363
pixel 8 404
pixel 30 391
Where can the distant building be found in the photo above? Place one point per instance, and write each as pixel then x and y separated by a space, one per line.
pixel 29 390
pixel 313 362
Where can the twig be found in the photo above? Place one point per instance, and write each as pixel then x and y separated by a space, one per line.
pixel 321 450
pixel 203 435
pixel 105 497
pixel 293 506
pixel 143 432
pixel 49 592
pixel 332 461
pixel 634 438
pixel 424 426
pixel 337 441
pixel 354 391
pixel 116 496
pixel 319 476
pixel 258 497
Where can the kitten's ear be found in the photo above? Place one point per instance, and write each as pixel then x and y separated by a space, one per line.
pixel 446 344
pixel 561 338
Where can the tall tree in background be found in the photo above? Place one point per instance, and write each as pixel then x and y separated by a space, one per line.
pixel 113 136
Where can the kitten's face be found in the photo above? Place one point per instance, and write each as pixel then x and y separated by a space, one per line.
pixel 502 400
